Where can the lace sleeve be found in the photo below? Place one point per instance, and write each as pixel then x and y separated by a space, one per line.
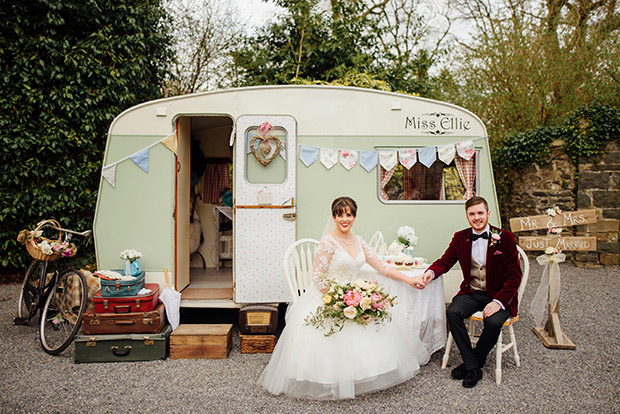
pixel 373 260
pixel 322 258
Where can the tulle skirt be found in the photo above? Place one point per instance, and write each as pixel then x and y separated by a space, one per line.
pixel 354 361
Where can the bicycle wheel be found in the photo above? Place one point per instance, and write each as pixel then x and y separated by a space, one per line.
pixel 29 294
pixel 61 316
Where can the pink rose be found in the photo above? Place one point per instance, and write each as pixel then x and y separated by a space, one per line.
pixel 352 298
pixel 67 253
pixel 495 236
pixel 345 153
pixel 375 299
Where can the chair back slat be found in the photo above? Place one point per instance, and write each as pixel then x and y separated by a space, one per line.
pixel 298 264
pixel 525 270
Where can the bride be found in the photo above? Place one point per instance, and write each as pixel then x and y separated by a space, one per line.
pixel 358 359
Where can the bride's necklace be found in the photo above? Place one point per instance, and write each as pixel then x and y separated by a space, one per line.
pixel 347 243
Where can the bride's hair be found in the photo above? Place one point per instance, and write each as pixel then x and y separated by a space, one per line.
pixel 340 205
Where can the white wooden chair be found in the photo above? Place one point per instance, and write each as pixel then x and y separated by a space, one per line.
pixel 377 244
pixel 298 263
pixel 500 347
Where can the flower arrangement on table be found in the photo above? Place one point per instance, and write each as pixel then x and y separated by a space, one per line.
pixel 131 255
pixel 408 239
pixel 361 302
pixel 551 228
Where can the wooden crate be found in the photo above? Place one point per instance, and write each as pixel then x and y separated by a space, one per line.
pixel 201 341
pixel 257 344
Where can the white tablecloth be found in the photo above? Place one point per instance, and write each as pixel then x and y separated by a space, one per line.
pixel 424 309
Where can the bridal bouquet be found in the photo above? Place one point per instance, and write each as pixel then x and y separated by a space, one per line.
pixel 361 302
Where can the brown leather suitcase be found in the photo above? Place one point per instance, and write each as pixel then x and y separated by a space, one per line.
pixel 117 323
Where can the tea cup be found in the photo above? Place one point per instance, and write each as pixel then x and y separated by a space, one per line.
pixel 419 261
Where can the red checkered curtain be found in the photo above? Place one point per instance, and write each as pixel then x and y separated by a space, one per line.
pixel 440 191
pixel 467 172
pixel 408 184
pixel 216 181
pixel 414 182
pixel 385 178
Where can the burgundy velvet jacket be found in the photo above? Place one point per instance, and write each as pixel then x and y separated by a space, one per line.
pixel 503 271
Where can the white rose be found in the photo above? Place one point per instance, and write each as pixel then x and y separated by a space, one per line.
pixel 549 250
pixel 45 247
pixel 365 303
pixel 350 312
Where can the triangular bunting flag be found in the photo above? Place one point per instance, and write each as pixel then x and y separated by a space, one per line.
pixel 465 149
pixel 368 159
pixel 407 157
pixel 427 156
pixel 308 155
pixel 109 173
pixel 446 153
pixel 141 158
pixel 329 157
pixel 283 150
pixel 388 159
pixel 348 158
pixel 170 142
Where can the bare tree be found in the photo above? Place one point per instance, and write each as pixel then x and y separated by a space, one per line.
pixel 203 33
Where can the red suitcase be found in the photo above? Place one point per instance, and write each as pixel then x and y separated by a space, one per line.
pixel 127 304
pixel 131 323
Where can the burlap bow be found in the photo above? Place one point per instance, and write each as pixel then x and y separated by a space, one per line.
pixel 549 290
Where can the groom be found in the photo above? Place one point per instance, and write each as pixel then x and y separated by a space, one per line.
pixel 491 276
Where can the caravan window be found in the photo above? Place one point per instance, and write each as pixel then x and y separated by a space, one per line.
pixel 272 169
pixel 456 181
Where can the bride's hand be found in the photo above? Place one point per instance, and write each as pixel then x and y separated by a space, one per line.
pixel 416 282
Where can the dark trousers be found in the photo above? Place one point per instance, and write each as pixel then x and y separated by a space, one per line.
pixel 462 307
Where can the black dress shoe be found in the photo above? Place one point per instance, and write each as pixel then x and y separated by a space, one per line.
pixel 459 372
pixel 472 377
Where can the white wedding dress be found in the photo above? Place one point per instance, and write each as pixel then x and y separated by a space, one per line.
pixel 353 361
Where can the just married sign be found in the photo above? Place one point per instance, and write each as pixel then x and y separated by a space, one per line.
pixel 548 293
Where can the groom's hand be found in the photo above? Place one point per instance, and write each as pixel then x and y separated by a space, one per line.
pixel 427 277
pixel 491 309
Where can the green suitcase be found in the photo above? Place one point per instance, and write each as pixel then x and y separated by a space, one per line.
pixel 122 347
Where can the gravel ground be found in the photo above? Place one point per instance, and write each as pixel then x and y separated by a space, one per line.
pixel 549 380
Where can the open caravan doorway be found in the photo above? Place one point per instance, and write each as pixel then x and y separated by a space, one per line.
pixel 204 242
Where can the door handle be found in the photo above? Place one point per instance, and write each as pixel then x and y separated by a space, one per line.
pixel 289 216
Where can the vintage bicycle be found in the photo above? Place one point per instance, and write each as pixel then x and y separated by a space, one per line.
pixel 61 296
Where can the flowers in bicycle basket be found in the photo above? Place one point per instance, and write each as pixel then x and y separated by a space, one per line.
pixel 46 246
pixel 131 255
pixel 361 302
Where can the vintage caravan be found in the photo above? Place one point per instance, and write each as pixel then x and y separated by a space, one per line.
pixel 286 152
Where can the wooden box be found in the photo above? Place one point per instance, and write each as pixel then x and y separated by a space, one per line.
pixel 257 344
pixel 201 341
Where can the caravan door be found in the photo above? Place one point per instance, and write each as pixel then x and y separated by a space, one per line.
pixel 264 206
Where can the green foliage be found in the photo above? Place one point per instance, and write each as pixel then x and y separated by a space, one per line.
pixel 67 68
pixel 584 134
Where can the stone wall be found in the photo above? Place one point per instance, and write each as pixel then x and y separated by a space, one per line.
pixel 552 183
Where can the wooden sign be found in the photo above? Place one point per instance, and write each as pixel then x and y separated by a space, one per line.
pixel 570 218
pixel 560 243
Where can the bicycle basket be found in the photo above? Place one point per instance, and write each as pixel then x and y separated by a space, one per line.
pixel 37 253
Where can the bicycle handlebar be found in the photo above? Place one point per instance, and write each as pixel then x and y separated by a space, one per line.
pixel 85 233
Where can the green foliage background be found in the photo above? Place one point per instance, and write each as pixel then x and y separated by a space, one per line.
pixel 67 68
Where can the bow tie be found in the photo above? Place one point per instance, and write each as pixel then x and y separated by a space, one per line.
pixel 475 236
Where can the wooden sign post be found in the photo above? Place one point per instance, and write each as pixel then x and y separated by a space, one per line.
pixel 551 335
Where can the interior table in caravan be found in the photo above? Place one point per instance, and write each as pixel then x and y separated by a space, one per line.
pixel 548 293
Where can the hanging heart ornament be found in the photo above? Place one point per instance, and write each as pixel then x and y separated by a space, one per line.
pixel 266 151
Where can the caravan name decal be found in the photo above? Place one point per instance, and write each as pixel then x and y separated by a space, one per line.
pixel 437 123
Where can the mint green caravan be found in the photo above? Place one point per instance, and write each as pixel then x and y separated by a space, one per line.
pixel 285 152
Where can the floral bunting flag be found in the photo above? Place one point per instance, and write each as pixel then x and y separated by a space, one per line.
pixel 170 142
pixel 407 157
pixel 329 157
pixel 348 158
pixel 388 159
pixel 109 173
pixel 427 156
pixel 368 159
pixel 308 155
pixel 446 153
pixel 465 149
pixel 141 158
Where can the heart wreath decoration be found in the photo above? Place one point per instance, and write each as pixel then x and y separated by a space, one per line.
pixel 265 153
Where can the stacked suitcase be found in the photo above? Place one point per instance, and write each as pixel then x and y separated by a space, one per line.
pixel 257 328
pixel 125 326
